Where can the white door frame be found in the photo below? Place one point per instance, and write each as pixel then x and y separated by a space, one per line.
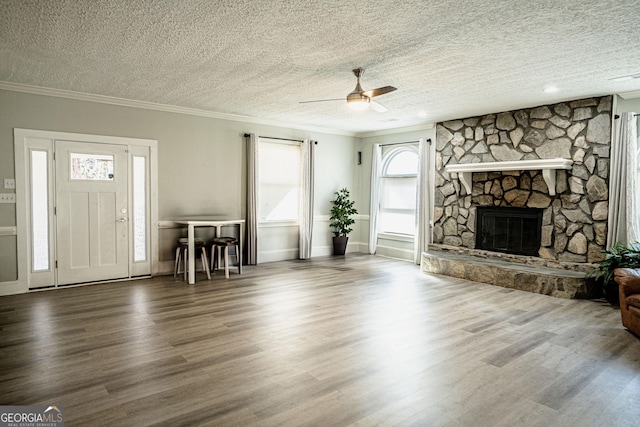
pixel 26 138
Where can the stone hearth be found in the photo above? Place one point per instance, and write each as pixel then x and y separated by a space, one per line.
pixel 557 279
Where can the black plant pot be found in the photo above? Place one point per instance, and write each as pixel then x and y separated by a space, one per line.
pixel 611 293
pixel 340 245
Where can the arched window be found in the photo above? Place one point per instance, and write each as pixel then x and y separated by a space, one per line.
pixel 398 196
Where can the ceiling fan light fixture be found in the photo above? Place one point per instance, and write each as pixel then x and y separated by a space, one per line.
pixel 358 101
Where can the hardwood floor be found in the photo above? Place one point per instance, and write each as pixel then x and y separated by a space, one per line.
pixel 361 340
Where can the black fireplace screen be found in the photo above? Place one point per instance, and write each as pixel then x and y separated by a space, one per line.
pixel 511 230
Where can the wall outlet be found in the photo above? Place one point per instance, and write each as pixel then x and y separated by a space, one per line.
pixel 9 183
pixel 7 197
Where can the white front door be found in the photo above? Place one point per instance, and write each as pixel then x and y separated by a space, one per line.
pixel 92 212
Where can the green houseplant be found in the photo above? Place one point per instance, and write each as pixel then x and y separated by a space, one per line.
pixel 341 219
pixel 617 256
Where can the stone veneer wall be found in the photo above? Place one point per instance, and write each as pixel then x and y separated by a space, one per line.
pixel 575 219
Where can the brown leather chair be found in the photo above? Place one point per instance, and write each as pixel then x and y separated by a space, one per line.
pixel 628 280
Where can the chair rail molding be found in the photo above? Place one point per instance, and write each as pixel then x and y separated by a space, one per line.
pixel 9 231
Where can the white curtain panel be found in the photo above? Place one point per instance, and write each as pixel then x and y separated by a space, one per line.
pixel 306 198
pixel 623 185
pixel 423 208
pixel 633 186
pixel 376 165
pixel 252 200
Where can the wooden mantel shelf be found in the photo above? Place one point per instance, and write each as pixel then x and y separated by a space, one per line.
pixel 548 167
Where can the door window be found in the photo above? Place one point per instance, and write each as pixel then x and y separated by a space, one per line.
pixel 94 167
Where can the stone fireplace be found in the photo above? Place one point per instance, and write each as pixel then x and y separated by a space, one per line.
pixel 574 213
pixel 551 160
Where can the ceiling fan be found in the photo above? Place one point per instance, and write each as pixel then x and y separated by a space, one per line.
pixel 359 99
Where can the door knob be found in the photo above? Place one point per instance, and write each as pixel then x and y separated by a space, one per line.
pixel 123 219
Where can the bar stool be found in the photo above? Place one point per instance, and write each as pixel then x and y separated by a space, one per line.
pixel 220 243
pixel 182 254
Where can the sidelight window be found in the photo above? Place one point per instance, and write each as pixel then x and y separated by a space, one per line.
pixel 139 209
pixel 40 210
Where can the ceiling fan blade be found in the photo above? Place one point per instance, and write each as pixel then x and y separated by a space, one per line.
pixel 379 91
pixel 321 100
pixel 377 107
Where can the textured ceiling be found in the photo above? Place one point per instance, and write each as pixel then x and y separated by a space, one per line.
pixel 259 58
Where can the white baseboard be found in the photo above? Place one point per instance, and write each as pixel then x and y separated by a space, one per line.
pixel 277 255
pixel 391 252
pixel 12 288
pixel 166 267
pixel 328 250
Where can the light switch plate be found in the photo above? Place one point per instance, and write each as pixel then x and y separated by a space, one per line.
pixel 9 183
pixel 7 197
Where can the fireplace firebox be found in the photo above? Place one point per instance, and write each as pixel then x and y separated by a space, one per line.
pixel 509 230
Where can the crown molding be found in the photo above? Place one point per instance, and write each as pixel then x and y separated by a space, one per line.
pixel 630 95
pixel 425 126
pixel 123 102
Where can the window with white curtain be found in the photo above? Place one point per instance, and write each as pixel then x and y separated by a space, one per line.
pixel 399 181
pixel 637 219
pixel 278 180
pixel 398 187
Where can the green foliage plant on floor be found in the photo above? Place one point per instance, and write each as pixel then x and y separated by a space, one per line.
pixel 342 211
pixel 617 256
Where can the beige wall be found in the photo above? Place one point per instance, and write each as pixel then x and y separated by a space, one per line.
pixel 201 160
pixel 627 105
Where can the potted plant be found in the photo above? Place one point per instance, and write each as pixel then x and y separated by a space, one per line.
pixel 341 211
pixel 617 256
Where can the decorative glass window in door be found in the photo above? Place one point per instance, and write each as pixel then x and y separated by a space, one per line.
pixel 93 167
